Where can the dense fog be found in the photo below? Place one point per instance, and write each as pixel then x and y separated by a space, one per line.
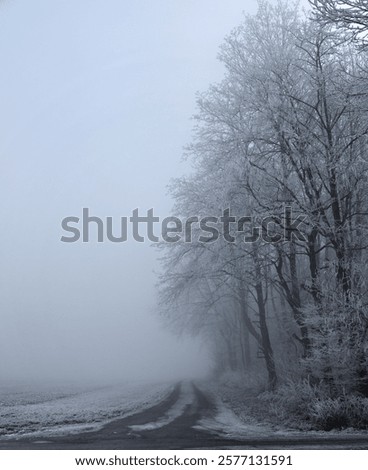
pixel 96 104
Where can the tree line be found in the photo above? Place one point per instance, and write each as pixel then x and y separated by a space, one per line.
pixel 286 128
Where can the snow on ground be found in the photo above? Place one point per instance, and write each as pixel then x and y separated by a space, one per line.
pixel 227 424
pixel 186 398
pixel 60 410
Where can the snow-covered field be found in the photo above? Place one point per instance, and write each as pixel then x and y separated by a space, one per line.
pixel 54 410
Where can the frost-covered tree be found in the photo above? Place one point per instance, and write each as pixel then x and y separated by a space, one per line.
pixel 287 127
pixel 350 13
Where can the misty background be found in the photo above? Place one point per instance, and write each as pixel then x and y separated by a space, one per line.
pixel 96 99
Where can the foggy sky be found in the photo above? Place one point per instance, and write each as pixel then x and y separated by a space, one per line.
pixel 96 98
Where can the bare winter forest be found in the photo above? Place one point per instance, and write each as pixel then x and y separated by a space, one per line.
pixel 286 128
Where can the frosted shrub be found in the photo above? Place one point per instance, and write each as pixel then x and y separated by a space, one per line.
pixel 293 399
pixel 338 341
pixel 306 405
pixel 339 413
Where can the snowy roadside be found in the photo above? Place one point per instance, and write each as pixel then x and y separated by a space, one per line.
pixel 236 418
pixel 76 411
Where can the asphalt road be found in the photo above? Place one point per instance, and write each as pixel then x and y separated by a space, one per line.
pixel 149 430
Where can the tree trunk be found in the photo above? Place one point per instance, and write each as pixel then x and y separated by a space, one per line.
pixel 265 337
